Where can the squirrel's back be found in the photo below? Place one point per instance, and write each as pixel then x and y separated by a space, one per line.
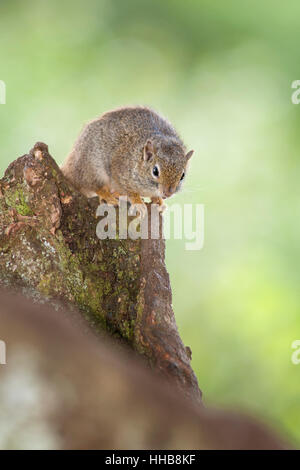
pixel 138 122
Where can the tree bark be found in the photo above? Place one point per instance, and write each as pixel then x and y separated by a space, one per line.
pixel 50 251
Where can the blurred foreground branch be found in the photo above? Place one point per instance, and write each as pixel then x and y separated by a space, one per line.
pixel 64 389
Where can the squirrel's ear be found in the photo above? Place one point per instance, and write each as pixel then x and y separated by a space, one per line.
pixel 148 150
pixel 189 154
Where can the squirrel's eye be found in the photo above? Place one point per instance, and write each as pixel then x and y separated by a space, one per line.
pixel 155 171
pixel 182 176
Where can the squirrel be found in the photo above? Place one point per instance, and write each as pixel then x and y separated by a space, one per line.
pixel 129 151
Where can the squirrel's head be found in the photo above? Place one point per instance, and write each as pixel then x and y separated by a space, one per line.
pixel 165 164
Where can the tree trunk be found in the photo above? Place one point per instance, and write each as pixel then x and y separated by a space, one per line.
pixel 49 249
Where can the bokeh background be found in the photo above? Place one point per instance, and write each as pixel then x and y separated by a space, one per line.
pixel 222 73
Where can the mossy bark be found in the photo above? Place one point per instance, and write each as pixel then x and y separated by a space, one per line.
pixel 49 249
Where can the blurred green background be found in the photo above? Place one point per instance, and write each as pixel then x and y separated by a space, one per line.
pixel 222 73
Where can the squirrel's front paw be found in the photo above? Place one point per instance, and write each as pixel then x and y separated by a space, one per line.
pixel 138 209
pixel 160 203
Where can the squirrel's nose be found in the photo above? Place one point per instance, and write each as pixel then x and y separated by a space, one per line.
pixel 168 191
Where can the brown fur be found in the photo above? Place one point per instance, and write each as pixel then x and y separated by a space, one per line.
pixel 117 152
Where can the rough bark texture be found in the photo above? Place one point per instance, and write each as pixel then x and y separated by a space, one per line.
pixel 49 250
pixel 62 389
